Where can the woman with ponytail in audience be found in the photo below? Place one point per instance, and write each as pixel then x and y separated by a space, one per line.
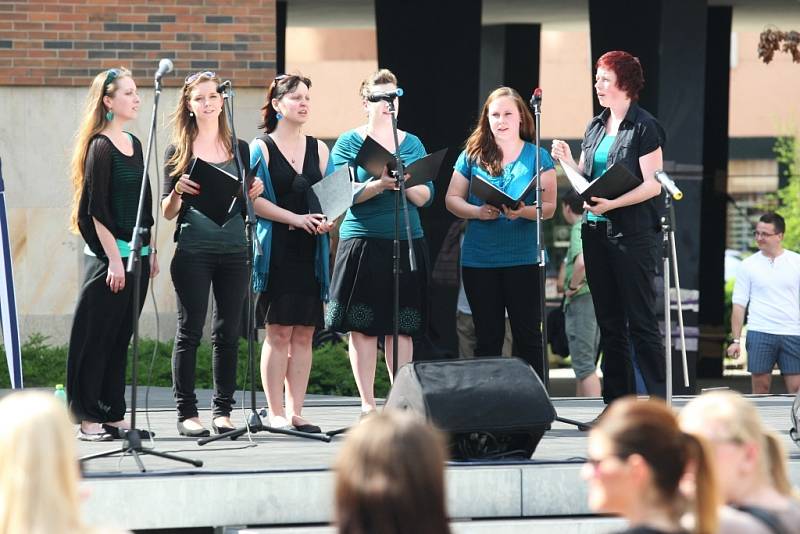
pixel 107 170
pixel 637 458
pixel 208 257
pixel 290 270
pixel 751 460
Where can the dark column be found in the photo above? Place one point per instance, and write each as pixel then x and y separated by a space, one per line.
pixel 714 191
pixel 434 49
pixel 510 57
pixel 280 36
pixel 669 37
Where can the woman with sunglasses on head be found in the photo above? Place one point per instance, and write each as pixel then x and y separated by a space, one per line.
pixel 499 256
pixel 621 236
pixel 107 169
pixel 207 256
pixel 637 461
pixel 361 287
pixel 291 262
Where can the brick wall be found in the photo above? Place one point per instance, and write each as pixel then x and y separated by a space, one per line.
pixel 67 42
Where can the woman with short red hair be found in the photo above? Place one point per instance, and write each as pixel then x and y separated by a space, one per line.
pixel 621 235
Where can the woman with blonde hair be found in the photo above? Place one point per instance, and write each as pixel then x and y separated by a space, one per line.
pixel 208 257
pixel 361 286
pixel 636 461
pixel 751 460
pixel 107 169
pixel 500 255
pixel 39 472
pixel 390 477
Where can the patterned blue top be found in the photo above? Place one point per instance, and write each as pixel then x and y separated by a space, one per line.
pixel 502 242
pixel 375 217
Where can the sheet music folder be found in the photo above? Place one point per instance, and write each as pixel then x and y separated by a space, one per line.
pixel 496 197
pixel 218 191
pixel 615 182
pixel 373 157
pixel 333 195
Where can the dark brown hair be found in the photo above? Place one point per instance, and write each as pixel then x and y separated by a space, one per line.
pixel 281 86
pixel 390 477
pixel 650 429
pixel 630 77
pixel 481 147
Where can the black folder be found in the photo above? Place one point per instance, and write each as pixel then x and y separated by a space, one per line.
pixel 615 182
pixel 218 191
pixel 373 157
pixel 496 197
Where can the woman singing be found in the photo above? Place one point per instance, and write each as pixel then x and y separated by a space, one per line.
pixel 499 256
pixel 621 235
pixel 291 273
pixel 208 256
pixel 107 170
pixel 361 288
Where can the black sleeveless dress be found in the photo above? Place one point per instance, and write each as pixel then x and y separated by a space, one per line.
pixel 292 296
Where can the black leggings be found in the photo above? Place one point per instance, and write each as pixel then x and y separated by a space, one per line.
pixel 493 291
pixel 193 275
pixel 98 344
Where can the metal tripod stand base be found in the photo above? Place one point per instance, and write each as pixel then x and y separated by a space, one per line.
pixel 255 425
pixel 132 444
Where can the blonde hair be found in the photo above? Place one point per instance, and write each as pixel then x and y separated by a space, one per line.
pixel 184 127
pixel 93 122
pixel 481 147
pixel 390 477
pixel 379 77
pixel 38 466
pixel 733 418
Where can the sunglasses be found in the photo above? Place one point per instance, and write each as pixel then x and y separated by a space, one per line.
pixel 204 74
pixel 281 77
pixel 111 75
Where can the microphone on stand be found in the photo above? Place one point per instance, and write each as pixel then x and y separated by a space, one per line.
pixel 224 86
pixel 669 185
pixel 388 96
pixel 536 99
pixel 164 66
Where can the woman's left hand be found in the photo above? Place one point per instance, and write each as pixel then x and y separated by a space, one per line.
pixel 324 227
pixel 154 268
pixel 256 189
pixel 602 205
pixel 513 214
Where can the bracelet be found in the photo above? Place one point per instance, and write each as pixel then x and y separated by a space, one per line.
pixel 734 342
pixel 574 288
pixel 177 189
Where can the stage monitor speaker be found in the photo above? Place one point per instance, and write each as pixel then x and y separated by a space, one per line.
pixel 491 408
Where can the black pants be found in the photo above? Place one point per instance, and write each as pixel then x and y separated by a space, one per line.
pixel 493 291
pixel 621 272
pixel 98 344
pixel 193 275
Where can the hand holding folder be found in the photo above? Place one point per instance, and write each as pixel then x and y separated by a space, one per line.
pixel 373 157
pixel 496 197
pixel 613 183
pixel 218 191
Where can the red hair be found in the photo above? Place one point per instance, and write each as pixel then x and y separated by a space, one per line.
pixel 630 77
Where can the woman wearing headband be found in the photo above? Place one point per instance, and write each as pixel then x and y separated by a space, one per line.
pixel 291 261
pixel 208 257
pixel 107 170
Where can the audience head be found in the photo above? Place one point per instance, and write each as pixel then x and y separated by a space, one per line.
pixel 637 458
pixel 505 117
pixel 287 97
pixel 748 454
pixel 572 206
pixel 390 477
pixel 38 466
pixel 769 231
pixel 626 71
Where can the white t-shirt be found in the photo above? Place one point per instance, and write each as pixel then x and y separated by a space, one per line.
pixel 772 288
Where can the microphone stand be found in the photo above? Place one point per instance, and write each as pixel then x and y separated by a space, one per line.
pixel 132 439
pixel 253 423
pixel 536 104
pixel 400 193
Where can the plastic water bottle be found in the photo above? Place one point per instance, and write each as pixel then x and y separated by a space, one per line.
pixel 60 393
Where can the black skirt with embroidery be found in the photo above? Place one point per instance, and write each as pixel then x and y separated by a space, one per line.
pixel 362 288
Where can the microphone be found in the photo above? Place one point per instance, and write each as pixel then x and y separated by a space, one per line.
pixel 164 67
pixel 669 185
pixel 536 98
pixel 224 86
pixel 388 96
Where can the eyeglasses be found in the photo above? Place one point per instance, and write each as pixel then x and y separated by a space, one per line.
pixel 764 234
pixel 204 74
pixel 594 463
pixel 111 75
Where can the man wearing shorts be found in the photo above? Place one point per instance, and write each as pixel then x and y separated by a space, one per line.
pixel 769 282
pixel 583 334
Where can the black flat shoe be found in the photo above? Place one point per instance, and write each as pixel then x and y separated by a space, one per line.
pixel 199 433
pixel 119 433
pixel 222 429
pixel 308 428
